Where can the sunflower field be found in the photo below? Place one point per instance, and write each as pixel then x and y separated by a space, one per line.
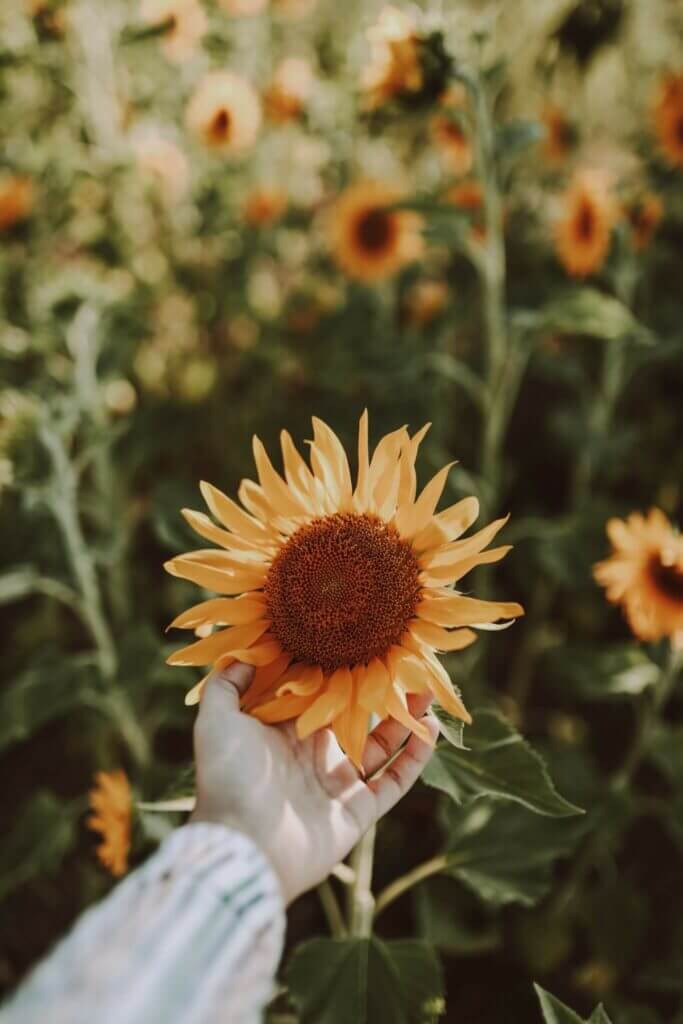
pixel 286 218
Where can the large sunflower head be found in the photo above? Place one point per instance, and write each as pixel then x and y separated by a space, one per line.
pixel 184 23
pixel 369 239
pixel 668 118
pixel 111 802
pixel 583 231
pixel 224 113
pixel 339 594
pixel 644 574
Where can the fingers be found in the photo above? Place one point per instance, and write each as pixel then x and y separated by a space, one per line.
pixel 221 696
pixel 387 737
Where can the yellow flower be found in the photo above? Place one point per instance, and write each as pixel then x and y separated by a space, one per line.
pixel 425 301
pixel 644 215
pixel 558 134
pixel 224 112
pixel 668 118
pixel 185 22
pixel 339 595
pixel 16 200
pixel 111 802
pixel 644 574
pixel 289 89
pixel 452 140
pixel 163 164
pixel 394 66
pixel 368 240
pixel 263 206
pixel 582 234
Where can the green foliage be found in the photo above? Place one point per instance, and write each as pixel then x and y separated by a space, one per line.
pixel 40 837
pixel 555 1012
pixel 359 981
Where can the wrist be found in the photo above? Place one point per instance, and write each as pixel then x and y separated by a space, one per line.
pixel 200 816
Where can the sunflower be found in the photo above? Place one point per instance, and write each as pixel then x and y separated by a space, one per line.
pixel 643 216
pixel 425 301
pixel 644 574
pixel 394 67
pixel 224 112
pixel 289 90
pixel 339 596
pixel 111 803
pixel 185 25
pixel 582 234
pixel 263 206
pixel 452 140
pixel 559 134
pixel 369 240
pixel 668 118
pixel 16 200
pixel 163 164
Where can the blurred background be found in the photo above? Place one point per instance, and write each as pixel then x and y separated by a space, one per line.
pixel 190 252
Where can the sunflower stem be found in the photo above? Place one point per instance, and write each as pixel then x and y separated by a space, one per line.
pixel 411 878
pixel 332 910
pixel 361 899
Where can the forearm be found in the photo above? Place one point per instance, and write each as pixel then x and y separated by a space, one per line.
pixel 194 935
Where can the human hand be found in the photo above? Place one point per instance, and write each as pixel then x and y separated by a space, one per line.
pixel 301 801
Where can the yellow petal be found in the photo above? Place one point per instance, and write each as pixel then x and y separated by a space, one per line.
pixel 438 576
pixel 396 706
pixel 351 729
pixel 223 582
pixel 447 525
pixel 330 464
pixel 373 686
pixel 265 679
pixel 299 477
pixel 274 487
pixel 408 670
pixel 450 554
pixel 408 485
pixel 441 639
pixel 224 611
pixel 362 492
pixel 331 702
pixel 194 695
pixel 415 517
pixel 231 515
pixel 226 641
pixel 385 457
pixel 466 611
pixel 202 525
pixel 302 680
pixel 253 498
pixel 262 653
pixel 280 709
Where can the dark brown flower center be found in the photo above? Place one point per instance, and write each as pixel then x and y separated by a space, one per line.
pixel 342 591
pixel 668 579
pixel 220 126
pixel 585 222
pixel 375 230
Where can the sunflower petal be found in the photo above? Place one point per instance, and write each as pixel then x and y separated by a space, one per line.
pixel 457 610
pixel 450 554
pixel 302 680
pixel 262 653
pixel 442 574
pixel 447 525
pixel 362 492
pixel 441 639
pixel 395 703
pixel 226 641
pixel 277 493
pixel 373 685
pixel 265 679
pixel 330 463
pixel 415 517
pixel 222 581
pixel 224 611
pixel 331 702
pixel 282 708
pixel 194 695
pixel 231 515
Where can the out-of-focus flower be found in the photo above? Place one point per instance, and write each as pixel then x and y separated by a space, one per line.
pixel 224 113
pixel 163 163
pixel 452 140
pixel 644 574
pixel 242 331
pixel 369 240
pixel 583 231
pixel 16 200
pixel 293 8
pixel 289 90
pixel 643 215
pixel 49 21
pixel 467 195
pixel 264 206
pixel 111 803
pixel 394 66
pixel 196 379
pixel 559 134
pixel 120 397
pixel 243 8
pixel 344 593
pixel 185 22
pixel 668 118
pixel 425 301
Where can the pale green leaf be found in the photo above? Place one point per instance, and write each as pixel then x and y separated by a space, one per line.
pixel 555 1012
pixel 500 764
pixel 589 312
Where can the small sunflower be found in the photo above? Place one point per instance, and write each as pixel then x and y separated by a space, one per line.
pixel 668 118
pixel 453 142
pixel 224 112
pixel 16 200
pixel 111 802
pixel 162 163
pixel 263 206
pixel 369 240
pixel 340 595
pixel 582 234
pixel 559 134
pixel 289 90
pixel 185 22
pixel 643 215
pixel 395 66
pixel 425 301
pixel 644 574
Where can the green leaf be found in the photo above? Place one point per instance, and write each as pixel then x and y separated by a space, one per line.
pixel 452 729
pixel 442 920
pixel 41 836
pixel 589 312
pixel 500 764
pixel 365 981
pixel 555 1012
pixel 617 673
pixel 599 1016
pixel 17 583
pixel 504 853
pixel 42 694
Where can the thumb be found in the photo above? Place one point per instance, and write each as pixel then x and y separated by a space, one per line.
pixel 221 696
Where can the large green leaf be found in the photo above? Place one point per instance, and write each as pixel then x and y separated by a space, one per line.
pixel 555 1012
pixel 43 693
pixel 589 312
pixel 365 981
pixel 41 836
pixel 500 763
pixel 505 853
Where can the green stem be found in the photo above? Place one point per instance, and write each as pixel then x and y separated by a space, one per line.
pixel 361 900
pixel 411 878
pixel 330 905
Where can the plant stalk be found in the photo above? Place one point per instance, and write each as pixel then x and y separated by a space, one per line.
pixel 361 899
pixel 411 878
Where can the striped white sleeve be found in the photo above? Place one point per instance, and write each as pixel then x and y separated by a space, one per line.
pixel 192 936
